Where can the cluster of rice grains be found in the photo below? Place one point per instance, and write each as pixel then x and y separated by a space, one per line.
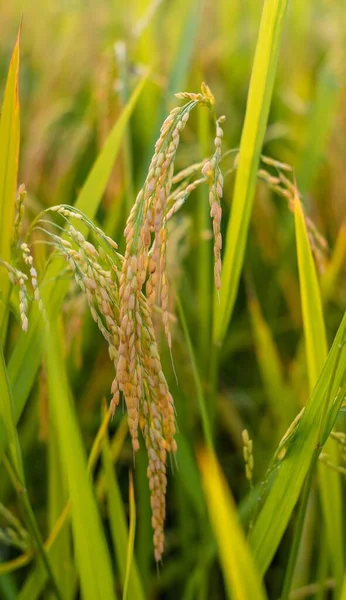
pixel 282 185
pixel 20 253
pixel 139 372
pixel 121 292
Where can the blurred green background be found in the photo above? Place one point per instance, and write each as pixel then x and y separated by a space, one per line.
pixel 80 61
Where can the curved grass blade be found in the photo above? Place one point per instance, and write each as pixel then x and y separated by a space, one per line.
pixel 296 452
pixel 118 525
pixel 15 467
pixel 314 330
pixel 335 265
pixel 185 47
pixel 199 387
pixel 316 353
pixel 189 476
pixel 270 367
pixel 131 540
pixel 60 553
pixel 8 431
pixel 239 571
pixel 34 584
pixel 257 110
pixel 9 151
pixel 92 557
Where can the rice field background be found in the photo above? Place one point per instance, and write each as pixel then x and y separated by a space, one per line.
pixel 253 454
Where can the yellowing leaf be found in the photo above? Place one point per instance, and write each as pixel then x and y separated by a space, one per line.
pixel 239 571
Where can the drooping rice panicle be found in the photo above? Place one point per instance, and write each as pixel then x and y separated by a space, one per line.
pixel 114 287
pixel 148 215
pixel 19 279
pixel 178 198
pixel 145 263
pixel 29 261
pixel 284 187
pixel 97 276
pixel 212 170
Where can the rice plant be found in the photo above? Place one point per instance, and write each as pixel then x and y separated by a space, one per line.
pixel 172 301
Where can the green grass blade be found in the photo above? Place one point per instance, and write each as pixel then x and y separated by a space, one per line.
pixel 332 507
pixel 8 432
pixel 189 476
pixel 294 456
pixel 187 40
pixel 316 353
pixel 320 125
pixel 92 191
pixel 179 68
pixel 92 557
pixel 199 388
pixel 9 151
pixel 239 571
pixel 16 467
pixel 314 330
pixel 343 591
pixel 271 370
pixel 297 536
pixel 131 540
pixel 144 536
pixel 259 98
pixel 36 581
pixel 118 525
pixel 115 449
pixel 22 372
pixel 8 590
pixel 335 265
pixel 61 552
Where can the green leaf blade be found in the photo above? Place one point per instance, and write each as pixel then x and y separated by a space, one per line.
pixel 257 110
pixel 9 153
pixel 314 329
pixel 92 557
pixel 119 530
pixel 316 352
pixel 287 474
